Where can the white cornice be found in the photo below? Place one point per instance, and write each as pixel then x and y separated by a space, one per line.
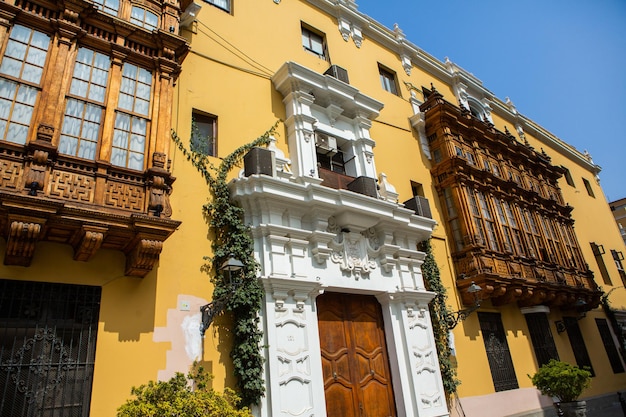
pixel 358 209
pixel 447 72
pixel 292 77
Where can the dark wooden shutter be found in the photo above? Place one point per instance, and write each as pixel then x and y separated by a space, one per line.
pixel 541 337
pixel 497 348
pixel 578 344
pixel 609 346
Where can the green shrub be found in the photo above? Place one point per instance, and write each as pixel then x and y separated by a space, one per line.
pixel 182 396
pixel 561 380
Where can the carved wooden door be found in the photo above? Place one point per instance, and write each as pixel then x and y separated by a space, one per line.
pixel 357 381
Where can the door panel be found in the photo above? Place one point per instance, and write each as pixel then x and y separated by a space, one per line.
pixel 354 356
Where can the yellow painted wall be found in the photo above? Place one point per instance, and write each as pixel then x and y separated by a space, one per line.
pixel 237 90
pixel 227 73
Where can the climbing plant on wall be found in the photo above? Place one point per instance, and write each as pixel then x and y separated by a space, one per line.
pixel 231 235
pixel 438 312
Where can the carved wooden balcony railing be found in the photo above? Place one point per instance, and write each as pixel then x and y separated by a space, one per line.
pixel 526 282
pixel 88 205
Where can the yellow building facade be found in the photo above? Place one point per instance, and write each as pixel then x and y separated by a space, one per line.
pixel 338 204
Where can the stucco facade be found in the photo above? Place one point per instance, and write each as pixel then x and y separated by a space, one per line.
pixel 337 204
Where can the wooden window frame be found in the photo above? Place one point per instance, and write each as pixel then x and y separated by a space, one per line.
pixel 86 100
pixel 104 6
pixel 142 22
pixel 22 83
pixel 208 122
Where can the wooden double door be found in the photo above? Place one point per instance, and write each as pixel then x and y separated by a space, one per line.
pixel 357 380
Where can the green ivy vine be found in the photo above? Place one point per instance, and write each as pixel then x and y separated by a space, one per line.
pixel 438 312
pixel 232 236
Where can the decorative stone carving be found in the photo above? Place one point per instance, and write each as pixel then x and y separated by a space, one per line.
pixel 386 190
pixel 344 28
pixel 351 253
pixel 357 36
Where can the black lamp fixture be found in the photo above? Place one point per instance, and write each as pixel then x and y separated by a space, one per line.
pixel 230 267
pixel 452 319
pixel 581 306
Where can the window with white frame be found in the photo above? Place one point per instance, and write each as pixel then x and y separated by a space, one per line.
pixel 144 18
pixel 132 118
pixel 85 105
pixel 479 110
pixel 21 71
pixel 222 4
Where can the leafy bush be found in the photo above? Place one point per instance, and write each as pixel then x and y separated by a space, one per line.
pixel 182 396
pixel 561 380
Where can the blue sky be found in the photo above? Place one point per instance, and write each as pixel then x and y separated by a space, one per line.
pixel 562 63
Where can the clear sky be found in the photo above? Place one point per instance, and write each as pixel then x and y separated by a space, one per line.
pixel 561 62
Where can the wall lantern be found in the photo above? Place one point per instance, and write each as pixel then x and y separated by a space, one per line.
pixel 579 305
pixel 230 267
pixel 452 319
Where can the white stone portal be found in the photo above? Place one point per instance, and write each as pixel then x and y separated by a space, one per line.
pixel 309 239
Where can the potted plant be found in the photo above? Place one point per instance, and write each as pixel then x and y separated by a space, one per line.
pixel 565 383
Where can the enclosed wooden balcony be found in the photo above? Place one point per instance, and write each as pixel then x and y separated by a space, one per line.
pixel 88 205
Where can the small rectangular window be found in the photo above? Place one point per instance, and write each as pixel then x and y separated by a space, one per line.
pixel 203 134
pixel 313 42
pixel 568 177
pixel 588 187
pixel 221 4
pixel 388 80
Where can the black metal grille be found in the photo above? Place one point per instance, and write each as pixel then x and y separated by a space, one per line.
pixel 541 336
pixel 498 354
pixel 47 348
pixel 609 346
pixel 578 344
